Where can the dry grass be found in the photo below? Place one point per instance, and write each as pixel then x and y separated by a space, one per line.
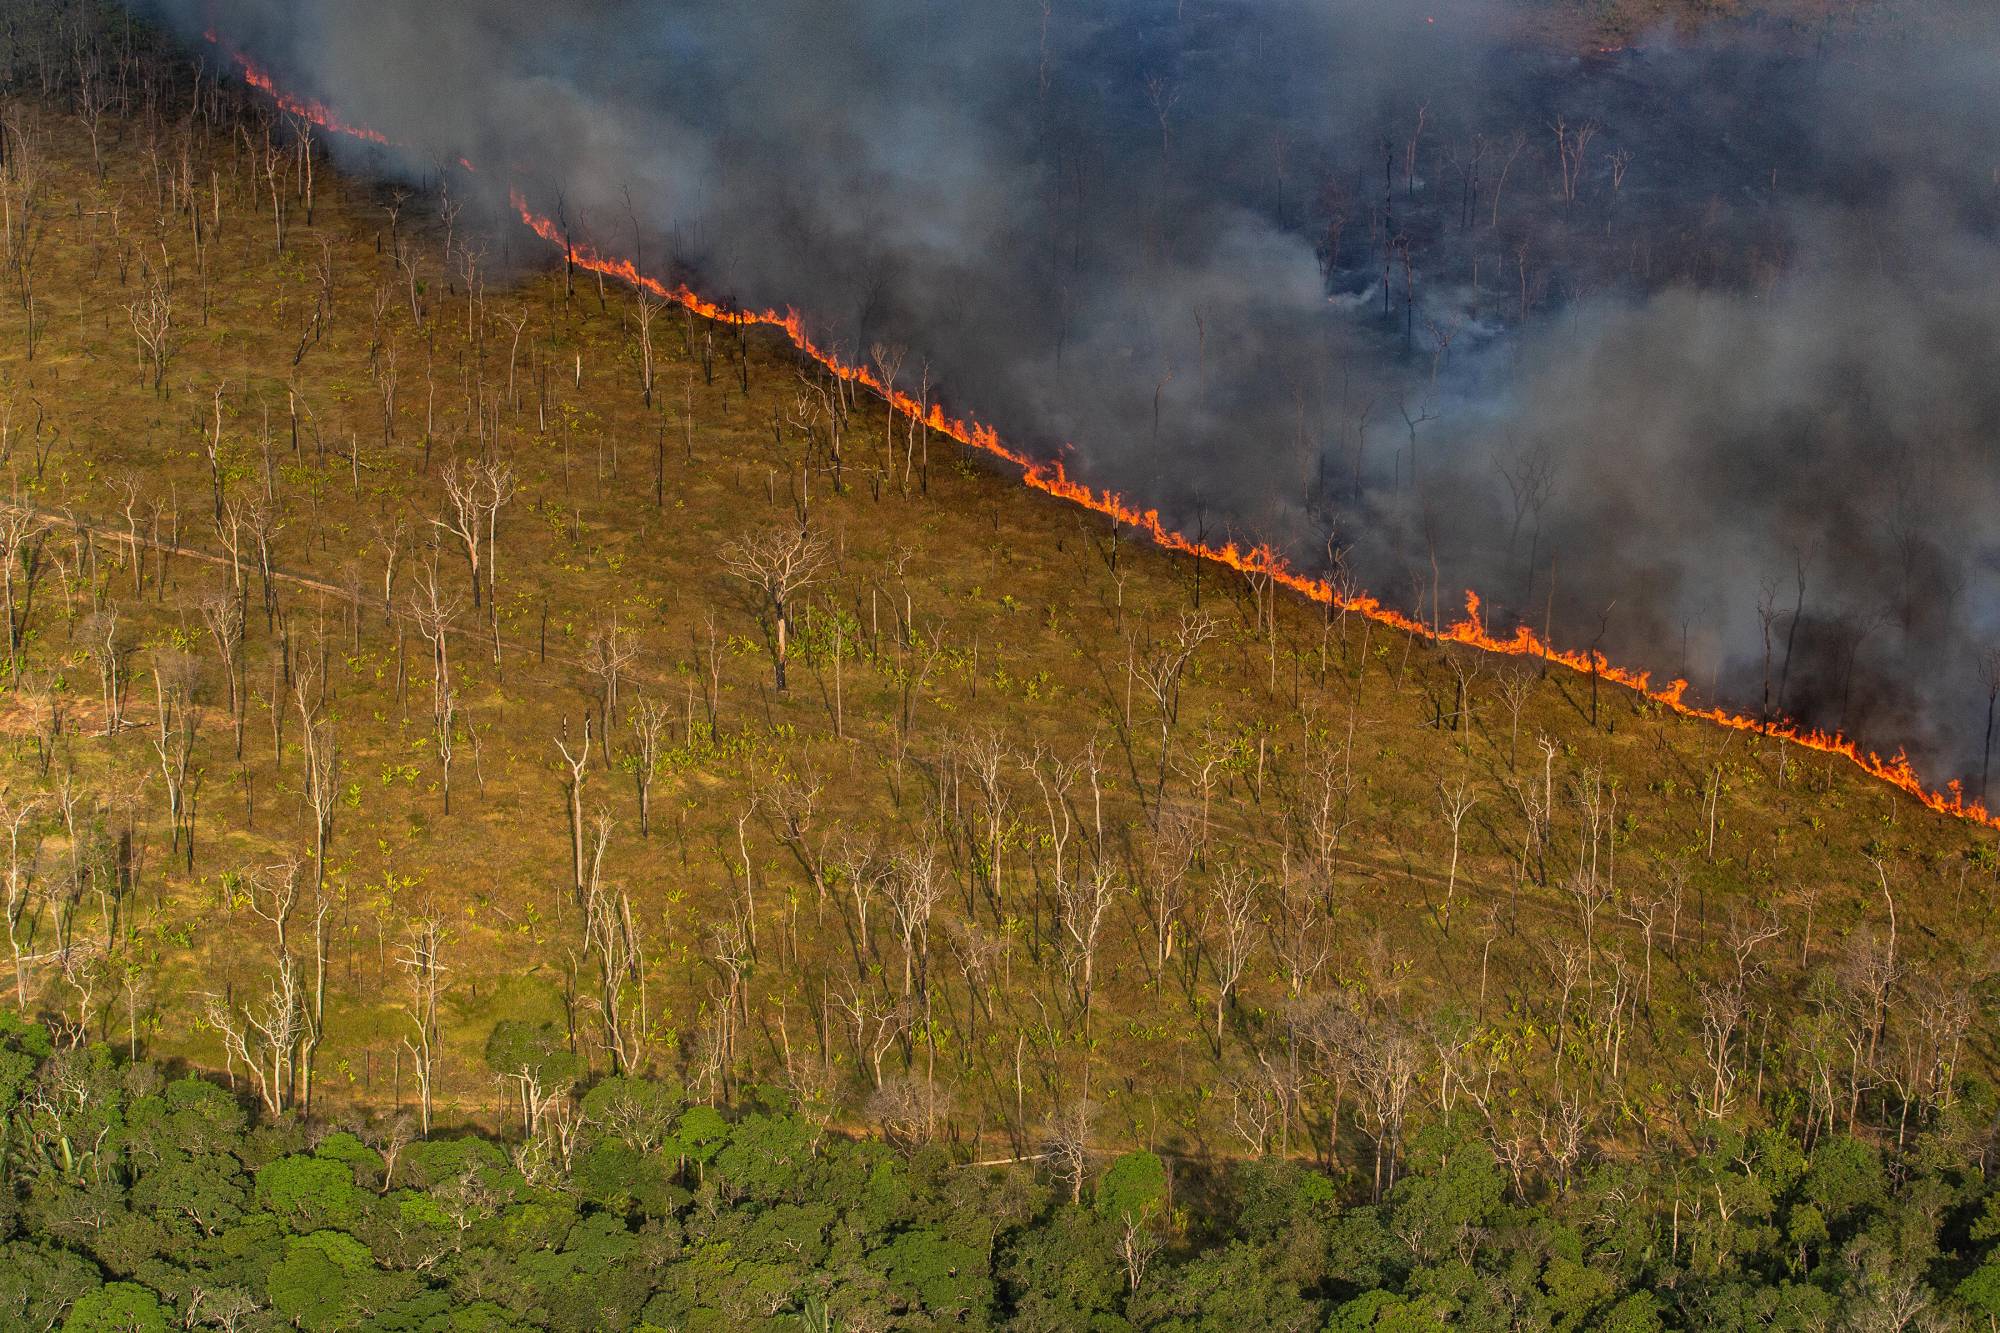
pixel 1026 619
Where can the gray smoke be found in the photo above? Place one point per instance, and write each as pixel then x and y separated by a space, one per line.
pixel 1338 274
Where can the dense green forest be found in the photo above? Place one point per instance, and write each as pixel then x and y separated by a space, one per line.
pixel 520 807
pixel 138 1202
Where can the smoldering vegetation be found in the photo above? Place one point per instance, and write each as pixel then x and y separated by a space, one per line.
pixel 1679 350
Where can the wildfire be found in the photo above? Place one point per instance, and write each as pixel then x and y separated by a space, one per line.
pixel 306 109
pixel 1051 478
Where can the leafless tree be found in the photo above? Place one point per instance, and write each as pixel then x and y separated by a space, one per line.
pixel 391 534
pixel 780 564
pixel 265 520
pixel 18 816
pixel 422 960
pixel 607 653
pixel 99 632
pixel 1137 1243
pixel 914 888
pixel 95 97
pixel 275 1037
pixel 888 362
pixel 274 160
pixel 174 675
pixel 1572 149
pixel 222 613
pixel 612 938
pixel 1515 146
pixel 1163 672
pixel 1066 1145
pixel 445 742
pixel 409 257
pixel 1465 666
pixel 911 1109
pixel 1722 1010
pixel 1169 857
pixel 644 314
pixel 434 610
pixel 498 487
pixel 1456 800
pixel 1232 918
pixel 989 755
pixel 1517 686
pixel 322 761
pixel 1082 902
pixel 152 316
pixel 1298 931
pixel 516 320
pixel 22 532
pixel 474 494
pixel 650 721
pixel 576 762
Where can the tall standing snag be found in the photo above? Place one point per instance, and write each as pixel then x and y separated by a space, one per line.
pixel 22 532
pixel 423 964
pixel 577 761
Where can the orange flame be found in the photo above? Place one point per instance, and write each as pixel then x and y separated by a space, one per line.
pixel 306 109
pixel 1050 477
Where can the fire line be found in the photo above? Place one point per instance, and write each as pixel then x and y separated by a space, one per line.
pixel 1051 478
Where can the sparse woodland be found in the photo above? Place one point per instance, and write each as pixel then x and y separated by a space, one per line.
pixel 446 696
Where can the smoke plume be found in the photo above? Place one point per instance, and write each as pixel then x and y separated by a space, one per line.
pixel 1680 349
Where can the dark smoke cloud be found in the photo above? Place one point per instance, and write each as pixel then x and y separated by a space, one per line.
pixel 1204 241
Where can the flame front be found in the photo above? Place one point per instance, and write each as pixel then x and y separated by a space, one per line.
pixel 1050 477
pixel 304 108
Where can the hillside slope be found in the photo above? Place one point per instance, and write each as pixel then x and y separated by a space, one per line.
pixel 1036 820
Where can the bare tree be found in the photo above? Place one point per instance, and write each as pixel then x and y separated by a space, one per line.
pixel 1082 901
pixel 100 632
pixel 915 887
pixel 22 532
pixel 1163 672
pixel 390 535
pixel 1232 920
pixel 1572 149
pixel 608 652
pixel 152 316
pixel 275 1037
pixel 422 960
pixel 888 362
pixel 1722 1010
pixel 322 761
pixel 1170 855
pixel 1298 930
pixel 174 737
pixel 222 613
pixel 612 938
pixel 1517 686
pixel 911 1109
pixel 445 742
pixel 644 314
pixel 497 488
pixel 1515 147
pixel 576 762
pixel 1456 800
pixel 780 564
pixel 1066 1145
pixel 465 517
pixel 18 817
pixel 434 610
pixel 650 720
